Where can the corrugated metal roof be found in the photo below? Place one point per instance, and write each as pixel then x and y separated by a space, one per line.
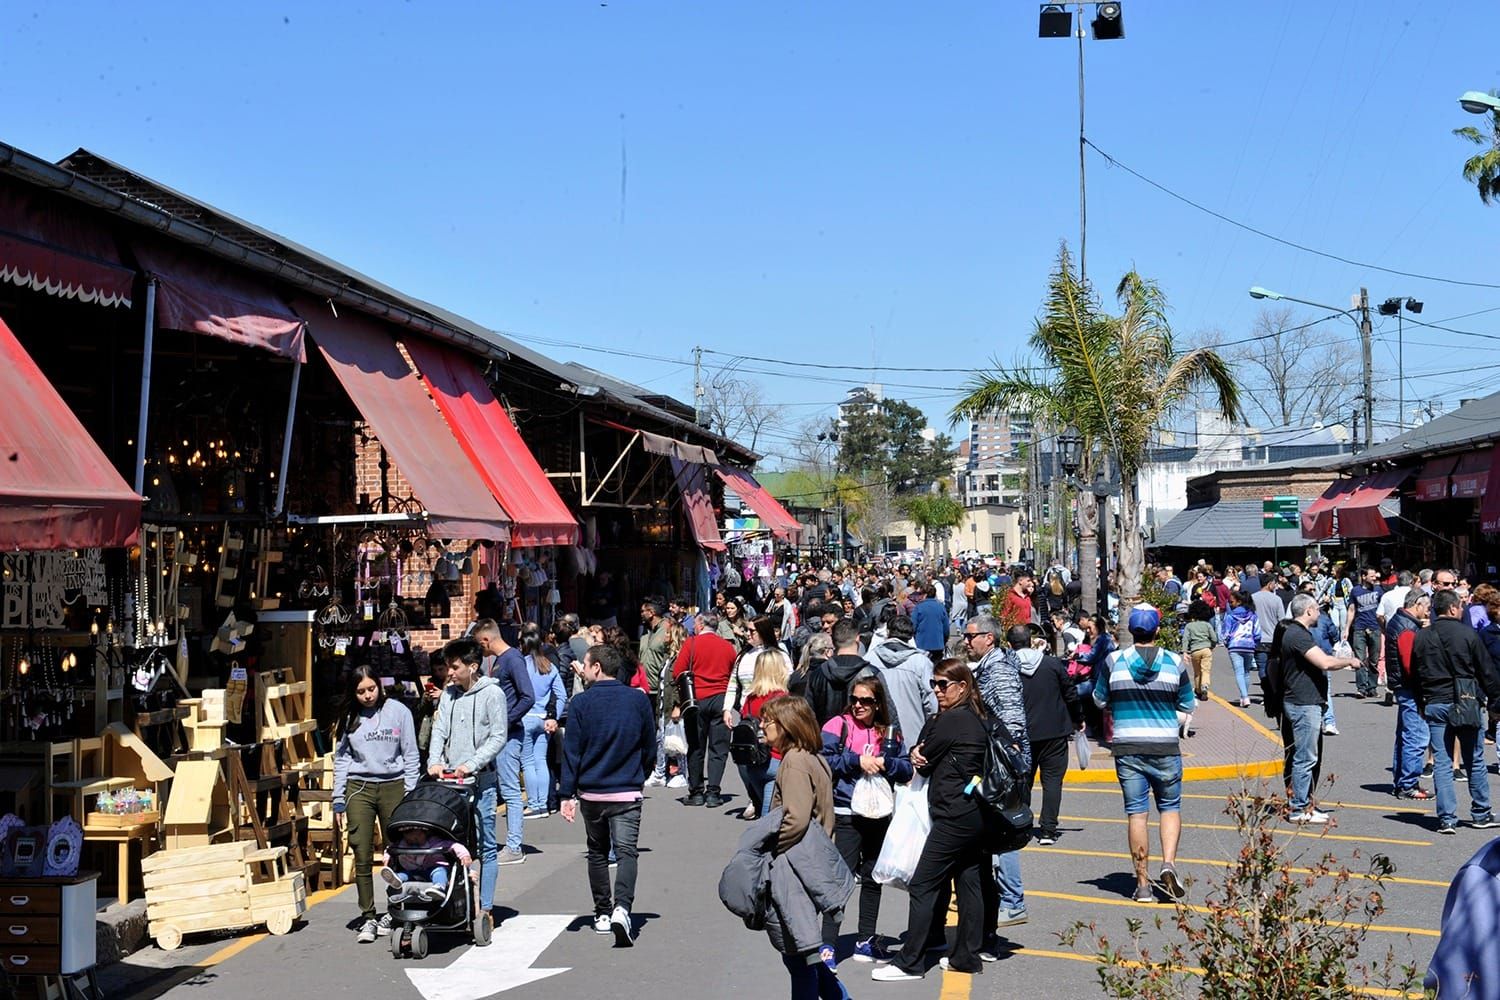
pixel 1235 524
pixel 1475 422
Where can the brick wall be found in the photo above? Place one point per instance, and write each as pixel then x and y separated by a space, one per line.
pixel 1302 484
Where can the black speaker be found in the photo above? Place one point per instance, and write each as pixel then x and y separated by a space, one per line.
pixel 1056 21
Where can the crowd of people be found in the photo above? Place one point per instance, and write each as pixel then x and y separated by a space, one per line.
pixel 831 690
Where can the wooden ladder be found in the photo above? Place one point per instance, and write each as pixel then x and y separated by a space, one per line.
pixel 231 563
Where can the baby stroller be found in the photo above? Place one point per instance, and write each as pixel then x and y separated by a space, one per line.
pixel 445 809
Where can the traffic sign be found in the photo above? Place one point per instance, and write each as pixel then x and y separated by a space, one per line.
pixel 1280 512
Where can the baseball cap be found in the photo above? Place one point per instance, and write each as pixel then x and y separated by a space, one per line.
pixel 1144 621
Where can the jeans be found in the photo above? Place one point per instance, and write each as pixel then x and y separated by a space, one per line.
pixel 1008 878
pixel 1411 743
pixel 1262 661
pixel 708 746
pixel 1144 775
pixel 1050 758
pixel 1328 719
pixel 617 824
pixel 1470 752
pixel 1302 740
pixel 758 783
pixel 1243 661
pixel 813 980
pixel 365 802
pixel 534 740
pixel 484 819
pixel 509 763
pixel 1366 645
pixel 955 851
pixel 859 840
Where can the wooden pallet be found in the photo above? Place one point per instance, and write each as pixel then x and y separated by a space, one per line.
pixel 282 713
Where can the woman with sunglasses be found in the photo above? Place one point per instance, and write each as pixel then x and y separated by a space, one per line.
pixel 862 742
pixel 950 753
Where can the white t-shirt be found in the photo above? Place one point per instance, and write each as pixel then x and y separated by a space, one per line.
pixel 1390 602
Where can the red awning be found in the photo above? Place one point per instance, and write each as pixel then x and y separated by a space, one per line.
pixel 199 294
pixel 388 393
pixel 1489 509
pixel 1317 518
pixel 783 525
pixel 692 483
pixel 57 489
pixel 1358 515
pixel 1472 475
pixel 50 246
pixel 538 515
pixel 1432 481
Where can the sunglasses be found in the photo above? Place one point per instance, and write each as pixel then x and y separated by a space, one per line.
pixel 970 636
pixel 942 684
pixel 866 702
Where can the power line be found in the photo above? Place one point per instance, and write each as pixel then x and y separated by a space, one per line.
pixel 1278 239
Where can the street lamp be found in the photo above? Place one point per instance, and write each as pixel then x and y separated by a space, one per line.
pixel 1361 323
pixel 1393 307
pixel 1070 456
pixel 1477 102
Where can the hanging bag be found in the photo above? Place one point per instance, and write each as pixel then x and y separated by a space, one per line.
pixel 872 797
pixel 906 836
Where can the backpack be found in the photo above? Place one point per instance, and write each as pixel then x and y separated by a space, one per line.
pixel 1004 788
pixel 1273 691
pixel 746 746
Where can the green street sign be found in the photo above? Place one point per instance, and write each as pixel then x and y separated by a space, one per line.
pixel 1280 513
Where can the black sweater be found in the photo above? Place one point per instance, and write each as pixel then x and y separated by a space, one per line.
pixel 1450 648
pixel 953 743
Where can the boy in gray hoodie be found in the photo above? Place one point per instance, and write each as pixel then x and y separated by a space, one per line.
pixel 467 733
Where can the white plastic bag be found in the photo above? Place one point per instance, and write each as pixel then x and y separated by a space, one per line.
pixel 1081 749
pixel 904 840
pixel 1343 649
pixel 872 798
pixel 674 739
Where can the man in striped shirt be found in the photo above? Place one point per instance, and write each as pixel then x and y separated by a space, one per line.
pixel 1150 693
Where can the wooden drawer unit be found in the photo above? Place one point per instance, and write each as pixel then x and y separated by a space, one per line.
pixel 47 925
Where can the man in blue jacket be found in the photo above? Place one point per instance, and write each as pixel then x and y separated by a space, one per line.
pixel 931 621
pixel 608 749
pixel 507 666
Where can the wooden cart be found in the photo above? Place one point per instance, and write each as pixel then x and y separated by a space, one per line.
pixel 220 887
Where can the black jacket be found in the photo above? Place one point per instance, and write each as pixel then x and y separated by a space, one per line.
pixel 1450 648
pixel 1052 707
pixel 1401 622
pixel 828 684
pixel 953 743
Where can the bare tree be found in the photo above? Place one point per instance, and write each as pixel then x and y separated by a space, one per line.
pixel 814 446
pixel 737 409
pixel 1290 374
pixel 877 509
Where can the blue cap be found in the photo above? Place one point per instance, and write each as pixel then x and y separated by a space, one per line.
pixel 1144 620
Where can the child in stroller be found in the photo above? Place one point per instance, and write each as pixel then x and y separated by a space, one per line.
pixel 422 857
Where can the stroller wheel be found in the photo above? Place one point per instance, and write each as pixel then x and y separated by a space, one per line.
pixel 484 927
pixel 418 942
pixel 397 936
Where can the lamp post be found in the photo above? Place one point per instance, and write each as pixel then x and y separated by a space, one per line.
pixel 1070 454
pixel 1397 308
pixel 1362 324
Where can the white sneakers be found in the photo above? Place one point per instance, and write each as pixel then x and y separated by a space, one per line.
pixel 601 923
pixel 893 974
pixel 656 781
pixel 1308 816
pixel 619 922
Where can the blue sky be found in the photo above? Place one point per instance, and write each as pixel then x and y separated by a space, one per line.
pixel 835 182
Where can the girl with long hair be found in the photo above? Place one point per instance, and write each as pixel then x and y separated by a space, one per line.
pixel 540 725
pixel 375 763
pixel 863 742
pixel 762 637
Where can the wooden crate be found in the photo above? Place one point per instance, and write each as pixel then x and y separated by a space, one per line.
pixel 220 887
pixel 121 821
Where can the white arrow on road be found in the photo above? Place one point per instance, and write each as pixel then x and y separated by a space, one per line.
pixel 504 965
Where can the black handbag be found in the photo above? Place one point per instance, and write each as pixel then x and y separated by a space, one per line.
pixel 1468 708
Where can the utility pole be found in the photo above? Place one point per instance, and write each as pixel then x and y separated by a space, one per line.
pixel 698 385
pixel 1083 209
pixel 1364 346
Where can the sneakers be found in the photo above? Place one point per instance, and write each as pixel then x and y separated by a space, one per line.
pixel 509 857
pixel 695 799
pixel 829 958
pixel 947 966
pixel 748 813
pixel 1048 838
pixel 390 878
pixel 1010 918
pixel 432 894
pixel 894 974
pixel 1486 822
pixel 368 932
pixel 1414 792
pixel 656 781
pixel 619 922
pixel 529 813
pixel 1171 883
pixel 869 950
pixel 714 800
pixel 601 923
pixel 1459 775
pixel 1244 703
pixel 383 925
pixel 1427 770
pixel 1144 894
pixel 677 781
pixel 1308 816
pixel 1447 828
pixel 1330 730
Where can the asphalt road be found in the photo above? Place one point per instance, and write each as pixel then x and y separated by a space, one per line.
pixel 689 946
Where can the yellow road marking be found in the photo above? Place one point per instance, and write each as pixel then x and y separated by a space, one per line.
pixel 1096 901
pixel 1306 833
pixel 1222 798
pixel 956 985
pixel 1223 863
pixel 1245 718
pixel 1371 991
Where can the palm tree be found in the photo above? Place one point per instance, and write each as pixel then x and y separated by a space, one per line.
pixel 1483 168
pixel 1114 378
pixel 936 515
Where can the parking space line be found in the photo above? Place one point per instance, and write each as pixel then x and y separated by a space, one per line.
pixel 1098 901
pixel 1221 798
pixel 1304 833
pixel 1225 862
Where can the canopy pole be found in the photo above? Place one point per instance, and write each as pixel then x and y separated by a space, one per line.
pixel 286 439
pixel 140 425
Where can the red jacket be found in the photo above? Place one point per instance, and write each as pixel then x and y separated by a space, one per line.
pixel 712 657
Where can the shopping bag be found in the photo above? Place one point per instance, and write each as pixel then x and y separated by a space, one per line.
pixel 872 798
pixel 674 739
pixel 905 838
pixel 1342 648
pixel 1081 749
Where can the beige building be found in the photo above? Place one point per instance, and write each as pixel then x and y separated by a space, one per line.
pixel 990 529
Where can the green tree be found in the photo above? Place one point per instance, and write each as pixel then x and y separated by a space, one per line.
pixel 891 444
pixel 1483 168
pixel 1112 377
pixel 935 515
